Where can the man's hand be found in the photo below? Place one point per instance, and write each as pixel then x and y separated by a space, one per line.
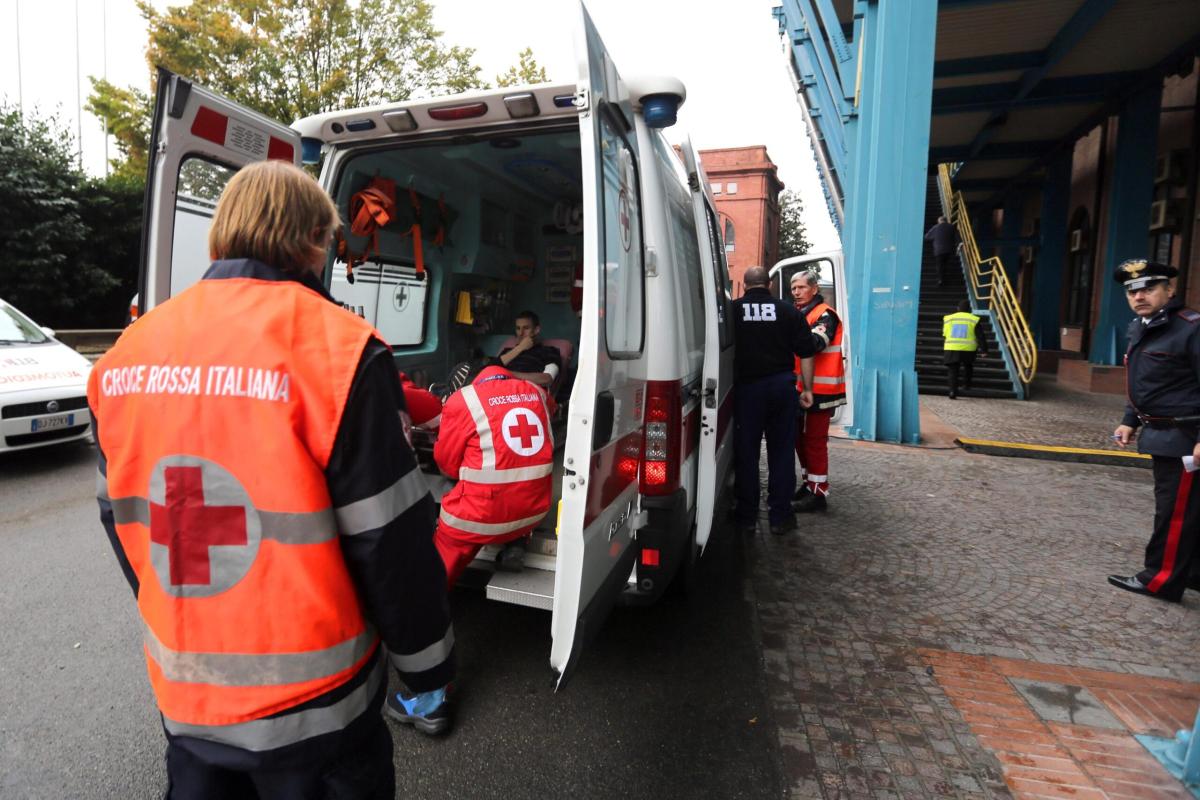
pixel 523 344
pixel 806 399
pixel 1123 435
pixel 1196 453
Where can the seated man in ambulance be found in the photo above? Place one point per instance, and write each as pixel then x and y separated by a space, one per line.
pixel 495 438
pixel 530 359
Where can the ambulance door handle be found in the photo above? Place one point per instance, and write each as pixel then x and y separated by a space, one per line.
pixel 602 430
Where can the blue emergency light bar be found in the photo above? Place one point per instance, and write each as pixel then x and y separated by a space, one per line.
pixel 660 110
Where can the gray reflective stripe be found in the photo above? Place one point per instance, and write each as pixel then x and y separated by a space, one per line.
pixel 834 348
pixel 514 475
pixel 427 658
pixel 372 513
pixel 256 669
pixel 824 338
pixel 823 379
pixel 488 528
pixel 272 732
pixel 127 510
pixel 481 426
pixel 312 527
pixel 101 485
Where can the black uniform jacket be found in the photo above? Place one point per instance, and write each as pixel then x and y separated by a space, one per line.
pixel 1163 379
pixel 770 332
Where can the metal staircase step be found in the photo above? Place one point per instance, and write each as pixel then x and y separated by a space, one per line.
pixel 530 587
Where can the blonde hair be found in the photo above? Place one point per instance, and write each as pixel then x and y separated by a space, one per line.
pixel 268 212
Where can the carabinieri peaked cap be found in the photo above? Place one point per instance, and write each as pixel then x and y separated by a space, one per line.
pixel 1137 273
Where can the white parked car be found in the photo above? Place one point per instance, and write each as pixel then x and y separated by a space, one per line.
pixel 43 385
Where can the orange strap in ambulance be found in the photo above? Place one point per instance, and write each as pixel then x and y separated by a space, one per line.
pixel 216 474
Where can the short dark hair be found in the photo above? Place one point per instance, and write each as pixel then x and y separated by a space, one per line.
pixel 964 305
pixel 531 316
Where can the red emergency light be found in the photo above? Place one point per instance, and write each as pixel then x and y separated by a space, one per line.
pixel 452 113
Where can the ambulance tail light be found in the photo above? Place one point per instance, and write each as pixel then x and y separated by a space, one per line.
pixel 661 438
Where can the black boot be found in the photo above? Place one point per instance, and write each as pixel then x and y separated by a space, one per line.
pixel 810 503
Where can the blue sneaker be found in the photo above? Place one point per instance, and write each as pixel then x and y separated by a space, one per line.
pixel 428 712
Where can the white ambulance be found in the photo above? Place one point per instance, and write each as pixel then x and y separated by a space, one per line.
pixel 508 200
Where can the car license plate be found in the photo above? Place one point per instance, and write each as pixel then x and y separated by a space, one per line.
pixel 50 423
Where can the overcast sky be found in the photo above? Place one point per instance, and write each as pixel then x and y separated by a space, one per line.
pixel 727 52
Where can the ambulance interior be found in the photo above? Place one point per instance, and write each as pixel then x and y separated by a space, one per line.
pixel 500 220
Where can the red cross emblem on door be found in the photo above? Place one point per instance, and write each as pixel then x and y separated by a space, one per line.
pixel 204 533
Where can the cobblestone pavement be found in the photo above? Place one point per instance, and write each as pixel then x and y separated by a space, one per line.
pixel 1055 416
pixel 942 550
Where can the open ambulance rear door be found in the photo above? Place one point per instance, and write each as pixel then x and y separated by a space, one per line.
pixel 716 412
pixel 198 141
pixel 599 506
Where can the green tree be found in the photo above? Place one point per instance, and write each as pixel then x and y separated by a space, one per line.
pixel 291 58
pixel 793 239
pixel 70 244
pixel 127 114
pixel 525 72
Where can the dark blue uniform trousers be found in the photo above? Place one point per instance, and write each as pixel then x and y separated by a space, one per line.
pixel 766 406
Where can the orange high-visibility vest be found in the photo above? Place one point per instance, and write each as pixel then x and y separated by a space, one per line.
pixel 218 413
pixel 496 439
pixel 829 371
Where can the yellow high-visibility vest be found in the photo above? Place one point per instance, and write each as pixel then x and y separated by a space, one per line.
pixel 959 330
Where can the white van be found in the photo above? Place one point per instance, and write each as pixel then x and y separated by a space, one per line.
pixel 515 195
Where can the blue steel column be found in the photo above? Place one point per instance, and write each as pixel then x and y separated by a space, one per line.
pixel 885 209
pixel 1128 217
pixel 1052 253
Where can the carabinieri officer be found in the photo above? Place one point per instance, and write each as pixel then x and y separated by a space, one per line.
pixel 769 334
pixel 1163 374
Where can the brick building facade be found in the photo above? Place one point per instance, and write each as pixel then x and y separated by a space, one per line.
pixel 746 188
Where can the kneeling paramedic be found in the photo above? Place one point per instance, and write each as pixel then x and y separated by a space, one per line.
pixel 495 438
pixel 273 545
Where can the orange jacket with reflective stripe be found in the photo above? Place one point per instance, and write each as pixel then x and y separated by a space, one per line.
pixel 829 371
pixel 217 414
pixel 496 439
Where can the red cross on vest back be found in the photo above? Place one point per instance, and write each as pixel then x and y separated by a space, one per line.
pixel 524 431
pixel 187 527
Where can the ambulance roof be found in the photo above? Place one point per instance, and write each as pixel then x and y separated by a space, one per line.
pixel 480 108
pixel 467 110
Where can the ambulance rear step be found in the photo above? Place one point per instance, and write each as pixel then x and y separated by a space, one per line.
pixel 529 587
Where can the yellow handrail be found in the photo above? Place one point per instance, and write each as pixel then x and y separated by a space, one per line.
pixel 990 283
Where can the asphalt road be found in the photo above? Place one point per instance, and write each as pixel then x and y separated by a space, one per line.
pixel 668 701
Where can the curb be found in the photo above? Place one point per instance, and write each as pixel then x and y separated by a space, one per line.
pixel 1079 455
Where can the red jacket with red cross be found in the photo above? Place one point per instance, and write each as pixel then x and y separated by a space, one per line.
pixel 495 438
